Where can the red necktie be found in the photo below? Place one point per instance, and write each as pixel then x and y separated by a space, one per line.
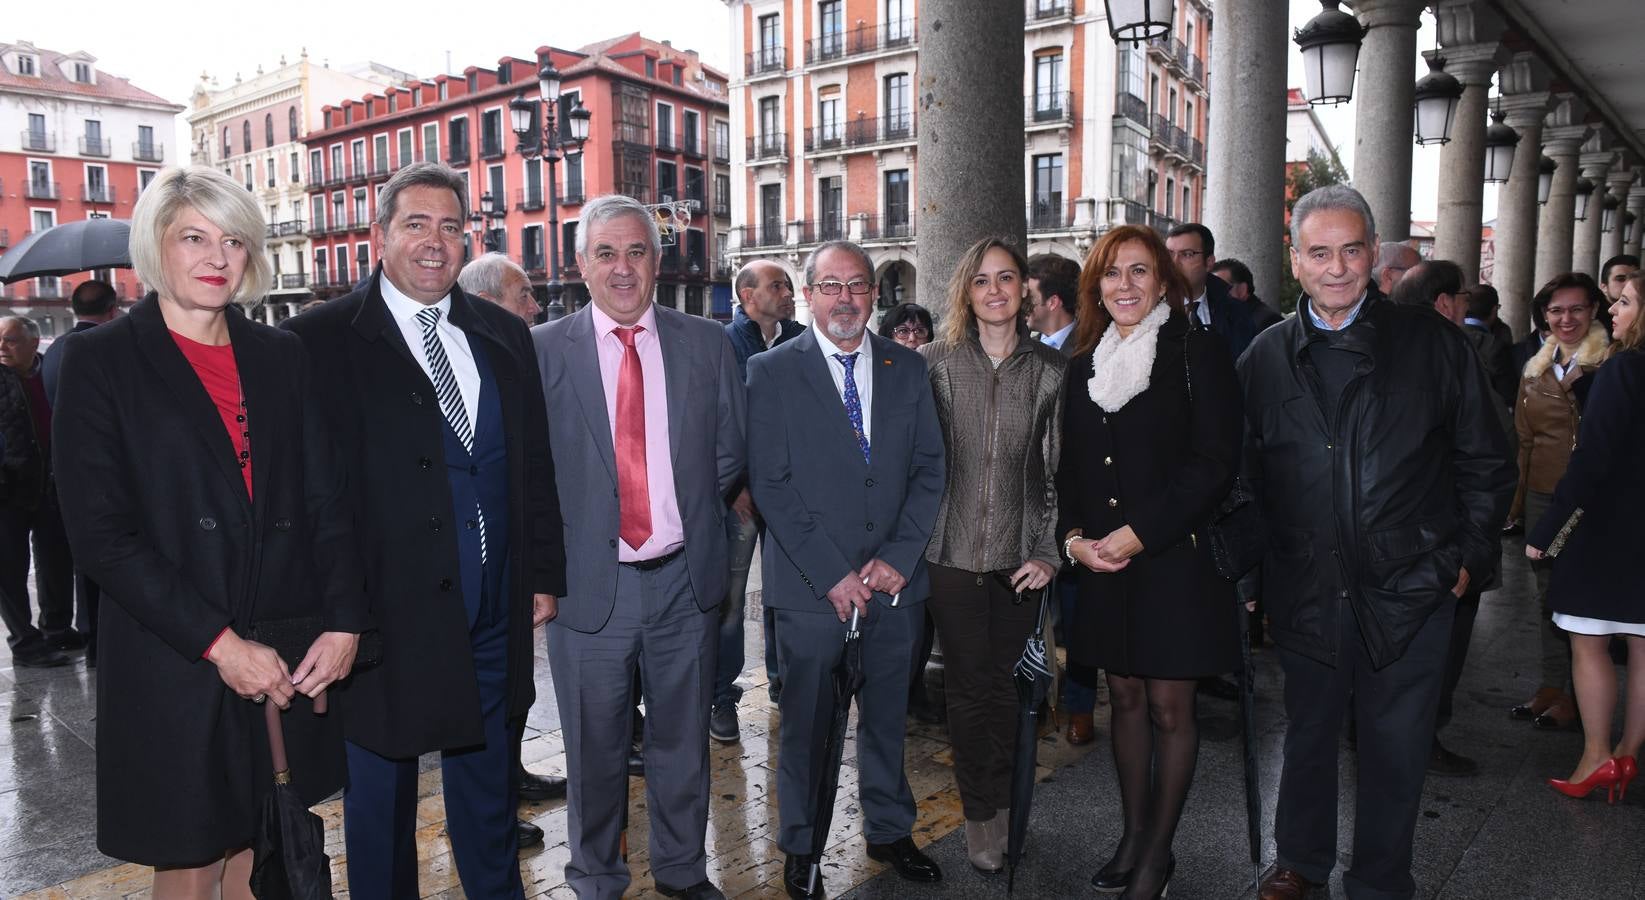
pixel 633 485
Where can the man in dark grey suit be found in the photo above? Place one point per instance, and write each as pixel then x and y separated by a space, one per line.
pixel 648 407
pixel 847 467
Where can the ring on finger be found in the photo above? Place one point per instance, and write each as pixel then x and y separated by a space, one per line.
pixel 259 698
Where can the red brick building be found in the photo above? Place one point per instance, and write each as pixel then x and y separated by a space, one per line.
pixel 75 143
pixel 660 131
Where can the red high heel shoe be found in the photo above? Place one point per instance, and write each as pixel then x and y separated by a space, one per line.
pixel 1626 769
pixel 1607 776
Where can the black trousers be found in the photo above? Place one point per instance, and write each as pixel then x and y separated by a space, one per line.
pixel 1394 710
pixel 53 572
pixel 1456 656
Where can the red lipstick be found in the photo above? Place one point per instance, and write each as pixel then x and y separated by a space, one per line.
pixel 214 280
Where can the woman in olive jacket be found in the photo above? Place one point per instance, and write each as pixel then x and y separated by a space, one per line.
pixel 998 396
pixel 1151 435
pixel 201 490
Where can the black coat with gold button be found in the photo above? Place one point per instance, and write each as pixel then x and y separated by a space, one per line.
pixel 158 515
pixel 1161 463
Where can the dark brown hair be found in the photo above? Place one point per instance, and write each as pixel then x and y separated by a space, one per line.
pixel 1093 317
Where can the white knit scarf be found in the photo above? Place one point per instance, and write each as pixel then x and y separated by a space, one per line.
pixel 1121 365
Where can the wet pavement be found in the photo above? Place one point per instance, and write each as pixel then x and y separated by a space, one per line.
pixel 1501 834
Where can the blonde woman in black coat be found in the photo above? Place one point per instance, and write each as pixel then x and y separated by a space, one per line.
pixel 1143 466
pixel 203 494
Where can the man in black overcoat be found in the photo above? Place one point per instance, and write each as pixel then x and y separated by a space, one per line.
pixel 1374 449
pixel 436 397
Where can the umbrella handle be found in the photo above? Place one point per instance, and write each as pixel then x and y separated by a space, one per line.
pixel 276 742
pixel 851 628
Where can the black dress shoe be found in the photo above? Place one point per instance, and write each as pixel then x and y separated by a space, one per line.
pixel 702 890
pixel 797 875
pixel 1220 688
pixel 537 788
pixel 906 859
pixel 39 657
pixel 66 640
pixel 527 834
pixel 636 762
pixel 1110 880
pixel 1443 762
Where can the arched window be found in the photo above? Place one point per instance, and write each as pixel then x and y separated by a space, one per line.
pixel 227 149
pixel 245 135
pixel 291 122
pixel 268 129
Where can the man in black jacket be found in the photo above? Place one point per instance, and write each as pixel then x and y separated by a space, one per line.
pixel 1384 475
pixel 437 397
pixel 1242 287
pixel 1209 303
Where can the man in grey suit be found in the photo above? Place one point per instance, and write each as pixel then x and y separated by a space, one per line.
pixel 847 467
pixel 649 412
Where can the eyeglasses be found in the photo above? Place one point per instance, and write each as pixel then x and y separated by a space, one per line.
pixel 1187 255
pixel 832 288
pixel 910 331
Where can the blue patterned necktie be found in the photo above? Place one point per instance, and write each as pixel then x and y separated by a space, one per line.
pixel 853 403
pixel 451 399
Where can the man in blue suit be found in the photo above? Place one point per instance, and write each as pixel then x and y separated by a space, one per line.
pixel 846 464
pixel 1210 304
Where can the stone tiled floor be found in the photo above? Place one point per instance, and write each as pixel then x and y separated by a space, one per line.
pixel 1499 835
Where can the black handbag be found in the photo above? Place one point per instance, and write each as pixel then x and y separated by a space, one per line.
pixel 1237 532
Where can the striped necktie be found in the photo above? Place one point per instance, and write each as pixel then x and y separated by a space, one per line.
pixel 451 398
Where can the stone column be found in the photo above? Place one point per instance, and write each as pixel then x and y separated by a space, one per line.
pixel 970 107
pixel 1610 242
pixel 1516 231
pixel 1383 112
pixel 1245 175
pixel 1636 205
pixel 1596 164
pixel 1562 141
pixel 1462 161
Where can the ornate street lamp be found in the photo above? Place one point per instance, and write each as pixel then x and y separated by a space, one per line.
pixel 1545 179
pixel 1330 50
pixel 1437 95
pixel 1138 20
pixel 1500 141
pixel 1584 191
pixel 1607 216
pixel 550 146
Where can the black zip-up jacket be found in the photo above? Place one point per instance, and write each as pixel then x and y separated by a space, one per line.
pixel 1377 514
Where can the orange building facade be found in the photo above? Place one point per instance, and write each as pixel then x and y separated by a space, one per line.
pixel 826 130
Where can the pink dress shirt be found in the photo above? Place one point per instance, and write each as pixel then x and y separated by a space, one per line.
pixel 667 532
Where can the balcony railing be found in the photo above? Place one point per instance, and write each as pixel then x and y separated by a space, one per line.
pixel 692 147
pixel 1049 10
pixel 528 201
pixel 722 153
pixel 860 41
pixel 293 228
pixel 379 169
pixel 1049 214
pixel 862 133
pixel 1179 143
pixel 722 209
pixel 815 231
pixel 148 152
pixel 573 195
pixel 457 154
pixel 769 235
pixel 1196 153
pixel 93 146
pixel 1049 107
pixel 290 282
pixel 1195 69
pixel 317 227
pixel 1131 107
pixel 1160 48
pixel 356 172
pixel 1160 222
pixel 39 141
pixel 888 228
pixel 96 193
pixel 765 61
pixel 336 177
pixel 772 145
pixel 40 190
pixel 492 148
pixel 666 143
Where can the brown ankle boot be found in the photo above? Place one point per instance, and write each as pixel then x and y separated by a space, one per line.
pixel 1081 729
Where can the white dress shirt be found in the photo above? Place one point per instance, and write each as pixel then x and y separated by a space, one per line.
pixel 1055 339
pixel 1203 310
pixel 863 372
pixel 404 311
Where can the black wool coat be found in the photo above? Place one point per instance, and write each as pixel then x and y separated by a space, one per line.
pixel 424 695
pixel 1161 464
pixel 1597 576
pixel 157 514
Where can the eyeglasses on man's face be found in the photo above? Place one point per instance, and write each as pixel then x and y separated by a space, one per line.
pixel 832 288
pixel 908 332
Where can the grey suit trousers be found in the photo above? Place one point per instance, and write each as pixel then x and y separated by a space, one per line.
pixel 809 644
pixel 657 626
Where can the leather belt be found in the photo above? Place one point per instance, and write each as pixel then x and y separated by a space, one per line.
pixel 655 562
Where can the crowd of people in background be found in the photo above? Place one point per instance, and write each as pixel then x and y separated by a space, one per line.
pixel 362 516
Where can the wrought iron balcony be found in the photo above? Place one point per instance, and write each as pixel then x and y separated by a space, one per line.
pixel 893 228
pixel 1046 11
pixel 1131 107
pixel 1049 107
pixel 771 234
pixel 292 282
pixel 722 153
pixel 771 145
pixel 39 141
pixel 815 231
pixel 94 146
pixel 96 193
pixel 40 190
pixel 842 45
pixel 765 61
pixel 859 133
pixel 1050 214
pixel 528 201
pixel 492 148
pixel 457 154
pixel 148 151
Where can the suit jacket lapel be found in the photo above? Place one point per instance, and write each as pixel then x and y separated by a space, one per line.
pixel 582 366
pixel 883 374
pixel 814 366
pixel 163 354
pixel 373 322
pixel 483 338
pixel 676 362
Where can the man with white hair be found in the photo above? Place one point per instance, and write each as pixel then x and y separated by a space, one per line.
pixel 1394 259
pixel 501 280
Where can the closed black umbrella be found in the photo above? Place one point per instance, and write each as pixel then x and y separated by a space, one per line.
pixel 69 248
pixel 1033 680
pixel 289 859
pixel 848 679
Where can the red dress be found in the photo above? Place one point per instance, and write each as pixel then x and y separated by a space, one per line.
pixel 220 376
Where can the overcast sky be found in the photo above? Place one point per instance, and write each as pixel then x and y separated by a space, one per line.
pixel 164 50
